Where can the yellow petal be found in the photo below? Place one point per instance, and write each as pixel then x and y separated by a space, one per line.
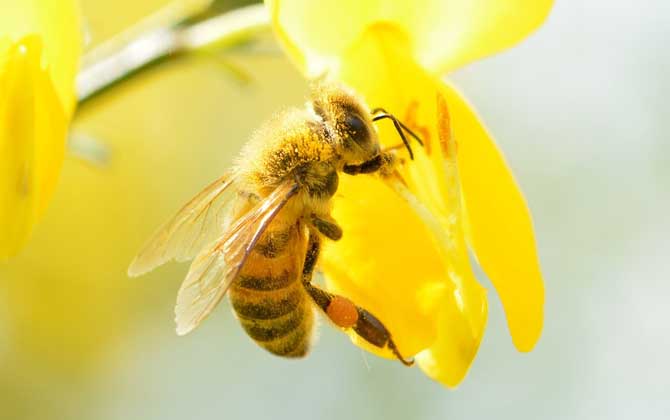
pixel 442 34
pixel 385 261
pixel 380 68
pixel 450 356
pixel 415 281
pixel 471 30
pixel 57 23
pixel 500 226
pixel 32 141
pixel 502 240
pixel 40 45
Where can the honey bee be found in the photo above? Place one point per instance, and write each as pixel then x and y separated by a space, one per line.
pixel 256 232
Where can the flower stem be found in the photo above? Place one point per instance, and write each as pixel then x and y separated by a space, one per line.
pixel 122 58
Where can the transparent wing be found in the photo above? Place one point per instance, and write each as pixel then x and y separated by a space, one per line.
pixel 196 225
pixel 213 270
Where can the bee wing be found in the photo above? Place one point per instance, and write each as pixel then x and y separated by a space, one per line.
pixel 196 225
pixel 215 268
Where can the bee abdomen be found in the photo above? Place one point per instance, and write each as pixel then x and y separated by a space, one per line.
pixel 272 329
pixel 275 243
pixel 279 320
pixel 254 304
pixel 287 336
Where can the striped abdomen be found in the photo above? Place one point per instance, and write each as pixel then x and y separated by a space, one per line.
pixel 268 296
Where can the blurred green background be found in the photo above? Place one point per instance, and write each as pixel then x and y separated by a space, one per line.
pixel 580 112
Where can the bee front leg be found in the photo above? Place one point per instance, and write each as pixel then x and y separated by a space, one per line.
pixel 377 163
pixel 327 226
pixel 343 312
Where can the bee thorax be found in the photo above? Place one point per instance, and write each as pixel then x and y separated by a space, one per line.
pixel 318 178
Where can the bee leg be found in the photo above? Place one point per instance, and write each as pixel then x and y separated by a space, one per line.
pixel 343 312
pixel 373 165
pixel 312 255
pixel 327 226
pixel 347 315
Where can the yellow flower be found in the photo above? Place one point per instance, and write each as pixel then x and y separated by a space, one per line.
pixel 404 254
pixel 39 54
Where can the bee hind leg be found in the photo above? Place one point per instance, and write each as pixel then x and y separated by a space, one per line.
pixel 347 315
pixel 343 312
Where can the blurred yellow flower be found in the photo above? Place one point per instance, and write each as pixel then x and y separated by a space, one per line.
pixel 404 255
pixel 39 54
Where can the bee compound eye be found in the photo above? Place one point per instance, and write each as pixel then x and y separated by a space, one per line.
pixel 356 128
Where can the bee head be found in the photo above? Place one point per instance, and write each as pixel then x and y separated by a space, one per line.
pixel 348 121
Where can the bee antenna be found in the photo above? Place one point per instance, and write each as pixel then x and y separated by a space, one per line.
pixel 407 129
pixel 400 128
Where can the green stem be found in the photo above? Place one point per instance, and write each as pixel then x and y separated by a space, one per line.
pixel 119 60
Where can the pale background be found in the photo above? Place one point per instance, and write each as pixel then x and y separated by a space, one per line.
pixel 580 110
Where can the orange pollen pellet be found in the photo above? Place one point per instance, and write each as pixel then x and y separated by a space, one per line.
pixel 342 312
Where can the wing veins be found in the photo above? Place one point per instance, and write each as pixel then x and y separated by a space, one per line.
pixel 211 270
pixel 188 231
